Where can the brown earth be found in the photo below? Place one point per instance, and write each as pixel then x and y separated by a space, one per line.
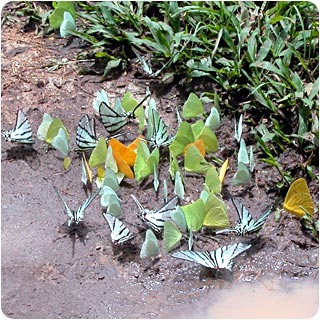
pixel 48 274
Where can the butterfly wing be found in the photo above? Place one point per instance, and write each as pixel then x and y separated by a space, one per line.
pixel 112 120
pixel 160 136
pixel 298 196
pixel 202 258
pixel 245 219
pixel 83 206
pixel 150 246
pixel 261 220
pixel 21 132
pixel 223 256
pixel 86 137
pixel 69 212
pixel 119 232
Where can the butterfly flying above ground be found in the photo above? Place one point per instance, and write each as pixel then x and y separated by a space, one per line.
pixel 246 224
pixel 220 258
pixel 119 232
pixel 86 137
pixel 22 132
pixel 76 216
pixel 114 119
pixel 155 218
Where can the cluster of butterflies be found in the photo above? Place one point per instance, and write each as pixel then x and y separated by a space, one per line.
pixel 113 119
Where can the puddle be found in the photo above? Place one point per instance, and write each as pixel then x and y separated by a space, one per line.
pixel 266 299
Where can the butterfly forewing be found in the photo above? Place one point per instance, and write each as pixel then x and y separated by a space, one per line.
pixel 69 212
pixel 111 119
pixel 22 132
pixel 119 232
pixel 86 137
pixel 202 258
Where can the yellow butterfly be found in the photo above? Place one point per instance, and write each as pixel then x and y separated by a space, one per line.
pixel 298 198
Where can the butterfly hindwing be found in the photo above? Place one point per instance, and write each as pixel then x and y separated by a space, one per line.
pixel 22 132
pixel 119 232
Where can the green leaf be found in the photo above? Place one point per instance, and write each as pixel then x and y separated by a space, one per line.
pixel 194 214
pixel 194 161
pixel 216 213
pixel 242 175
pixel 171 236
pixel 192 107
pixel 98 155
pixel 56 17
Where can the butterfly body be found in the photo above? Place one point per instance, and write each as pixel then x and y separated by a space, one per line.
pixel 246 224
pixel 86 137
pixel 22 132
pixel 119 232
pixel 155 218
pixel 76 216
pixel 220 258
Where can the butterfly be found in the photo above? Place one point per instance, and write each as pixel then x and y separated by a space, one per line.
pixel 155 218
pixel 115 119
pixel 76 216
pixel 22 132
pixel 298 198
pixel 150 246
pixel 247 224
pixel 157 131
pixel 220 258
pixel 119 232
pixel 86 137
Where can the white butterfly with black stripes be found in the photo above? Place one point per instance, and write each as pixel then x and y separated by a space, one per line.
pixel 76 216
pixel 157 133
pixel 246 225
pixel 114 119
pixel 86 137
pixel 22 132
pixel 119 232
pixel 155 218
pixel 220 258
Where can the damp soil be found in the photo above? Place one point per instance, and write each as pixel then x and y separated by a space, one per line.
pixel 47 273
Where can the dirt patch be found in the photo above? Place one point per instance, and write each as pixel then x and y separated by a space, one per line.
pixel 47 274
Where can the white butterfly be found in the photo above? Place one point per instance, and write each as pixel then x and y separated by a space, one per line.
pixel 119 232
pixel 155 218
pixel 86 137
pixel 217 259
pixel 247 224
pixel 76 216
pixel 157 133
pixel 21 132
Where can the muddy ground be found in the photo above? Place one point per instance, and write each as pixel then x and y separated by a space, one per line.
pixel 47 274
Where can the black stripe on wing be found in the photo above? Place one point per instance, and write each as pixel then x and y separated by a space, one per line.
pixel 112 120
pixel 202 258
pixel 86 137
